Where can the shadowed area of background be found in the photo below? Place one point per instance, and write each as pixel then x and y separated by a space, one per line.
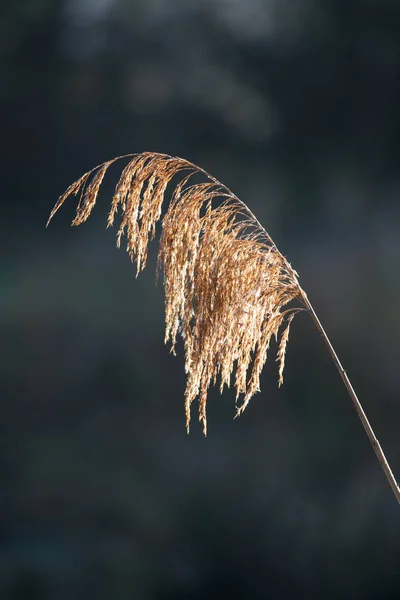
pixel 295 107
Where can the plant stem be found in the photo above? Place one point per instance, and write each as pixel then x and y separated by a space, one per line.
pixel 356 403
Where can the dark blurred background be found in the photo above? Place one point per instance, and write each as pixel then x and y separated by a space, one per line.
pixel 294 106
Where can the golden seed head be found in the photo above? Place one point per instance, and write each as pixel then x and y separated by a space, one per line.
pixel 226 283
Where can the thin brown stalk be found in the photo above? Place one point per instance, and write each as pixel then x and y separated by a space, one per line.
pixel 228 289
pixel 357 405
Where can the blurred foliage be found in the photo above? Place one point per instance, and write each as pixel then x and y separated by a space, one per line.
pixel 294 106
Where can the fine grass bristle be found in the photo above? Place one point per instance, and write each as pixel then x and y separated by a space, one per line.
pixel 226 283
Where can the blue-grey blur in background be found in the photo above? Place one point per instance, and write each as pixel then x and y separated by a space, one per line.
pixel 296 107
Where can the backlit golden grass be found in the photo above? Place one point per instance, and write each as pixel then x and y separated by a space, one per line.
pixel 228 289
pixel 227 286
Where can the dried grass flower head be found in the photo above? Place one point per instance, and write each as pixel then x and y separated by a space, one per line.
pixel 228 289
pixel 227 286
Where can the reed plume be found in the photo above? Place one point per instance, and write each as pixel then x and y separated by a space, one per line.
pixel 228 289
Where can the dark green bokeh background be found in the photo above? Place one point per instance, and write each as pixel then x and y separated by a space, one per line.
pixel 295 106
